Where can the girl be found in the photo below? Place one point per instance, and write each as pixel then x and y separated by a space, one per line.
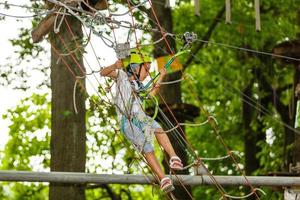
pixel 135 124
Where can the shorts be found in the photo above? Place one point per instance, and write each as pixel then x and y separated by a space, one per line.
pixel 135 131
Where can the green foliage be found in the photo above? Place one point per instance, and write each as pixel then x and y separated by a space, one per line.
pixel 27 48
pixel 220 74
pixel 13 74
pixel 28 144
pixel 29 133
pixel 31 191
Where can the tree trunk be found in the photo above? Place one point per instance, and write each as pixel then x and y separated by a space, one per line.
pixel 288 117
pixel 67 128
pixel 249 138
pixel 296 146
pixel 252 137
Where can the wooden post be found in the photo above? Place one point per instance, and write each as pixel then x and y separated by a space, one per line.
pixel 228 12
pixel 257 15
pixel 197 7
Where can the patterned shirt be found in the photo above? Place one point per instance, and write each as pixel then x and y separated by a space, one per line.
pixel 125 99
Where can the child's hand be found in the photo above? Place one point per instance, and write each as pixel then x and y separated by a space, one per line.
pixel 163 71
pixel 118 64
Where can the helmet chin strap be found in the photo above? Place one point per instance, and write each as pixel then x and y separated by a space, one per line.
pixel 140 69
pixel 137 77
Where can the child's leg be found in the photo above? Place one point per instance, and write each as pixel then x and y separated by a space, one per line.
pixel 165 182
pixel 164 141
pixel 154 164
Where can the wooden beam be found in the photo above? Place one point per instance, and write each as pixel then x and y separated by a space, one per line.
pixel 43 28
pixel 84 178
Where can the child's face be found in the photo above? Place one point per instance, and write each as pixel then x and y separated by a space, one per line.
pixel 145 69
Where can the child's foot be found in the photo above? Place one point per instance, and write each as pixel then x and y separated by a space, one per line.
pixel 166 185
pixel 175 163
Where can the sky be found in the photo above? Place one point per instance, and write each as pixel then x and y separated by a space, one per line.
pixel 8 28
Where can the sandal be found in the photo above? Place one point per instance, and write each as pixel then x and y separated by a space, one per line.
pixel 175 163
pixel 166 185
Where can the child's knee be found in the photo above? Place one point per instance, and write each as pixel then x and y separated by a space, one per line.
pixel 159 131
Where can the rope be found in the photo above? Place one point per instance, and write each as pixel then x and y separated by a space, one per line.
pixel 83 71
pixel 230 46
pixel 137 45
pixel 181 139
pixel 70 53
pixel 88 5
pixel 220 188
pixel 222 157
pixel 25 16
pixel 225 145
pixel 56 27
pixel 248 50
pixel 246 196
pixel 250 101
pixel 73 76
pixel 157 41
pixel 130 9
pixel 220 44
pixel 160 27
pixel 220 138
pixel 171 82
pixel 172 129
pixel 74 95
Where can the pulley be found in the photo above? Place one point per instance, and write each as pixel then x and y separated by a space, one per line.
pixel 122 50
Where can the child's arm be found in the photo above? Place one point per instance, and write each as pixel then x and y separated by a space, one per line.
pixel 110 71
pixel 156 86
